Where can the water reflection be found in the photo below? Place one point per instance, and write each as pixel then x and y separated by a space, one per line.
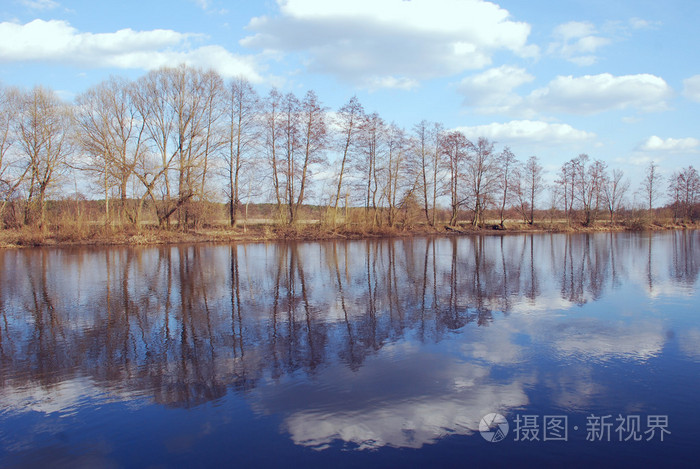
pixel 392 342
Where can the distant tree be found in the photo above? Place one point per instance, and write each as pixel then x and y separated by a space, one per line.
pixel 651 185
pixel 614 190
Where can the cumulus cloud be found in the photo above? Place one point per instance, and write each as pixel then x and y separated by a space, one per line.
pixel 691 88
pixel 671 145
pixel 527 131
pixel 591 94
pixel 492 91
pixel 58 41
pixel 366 41
pixel 577 42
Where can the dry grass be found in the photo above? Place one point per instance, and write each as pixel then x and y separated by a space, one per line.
pixel 94 234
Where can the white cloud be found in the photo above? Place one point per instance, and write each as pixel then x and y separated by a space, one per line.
pixel 40 4
pixel 58 41
pixel 492 91
pixel 577 42
pixel 527 131
pixel 671 145
pixel 401 83
pixel 591 94
pixel 365 40
pixel 691 88
pixel 605 340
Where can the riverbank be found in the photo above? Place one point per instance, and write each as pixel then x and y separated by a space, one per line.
pixel 109 236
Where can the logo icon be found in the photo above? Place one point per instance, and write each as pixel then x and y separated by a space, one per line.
pixel 493 427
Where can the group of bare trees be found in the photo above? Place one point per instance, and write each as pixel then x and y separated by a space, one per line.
pixel 177 138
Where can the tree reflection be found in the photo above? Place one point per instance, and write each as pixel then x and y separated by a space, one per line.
pixel 185 324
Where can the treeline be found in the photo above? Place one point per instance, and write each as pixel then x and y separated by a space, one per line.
pixel 172 143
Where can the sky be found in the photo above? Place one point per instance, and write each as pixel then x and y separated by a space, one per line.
pixel 618 80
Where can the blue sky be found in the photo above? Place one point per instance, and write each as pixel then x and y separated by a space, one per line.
pixel 617 80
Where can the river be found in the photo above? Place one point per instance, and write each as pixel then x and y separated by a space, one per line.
pixel 455 351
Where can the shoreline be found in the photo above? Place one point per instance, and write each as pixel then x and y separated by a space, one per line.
pixel 106 236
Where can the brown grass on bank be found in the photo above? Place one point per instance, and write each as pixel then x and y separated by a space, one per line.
pixel 72 234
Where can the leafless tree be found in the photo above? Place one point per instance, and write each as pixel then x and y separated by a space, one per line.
pixel 455 147
pixel 684 189
pixel 272 129
pixel 532 175
pixel 111 136
pixel 304 135
pixel 565 185
pixel 428 138
pixel 651 185
pixel 398 170
pixel 179 107
pixel 480 177
pixel 588 183
pixel 43 129
pixel 243 130
pixel 9 180
pixel 371 141
pixel 508 166
pixel 614 190
pixel 349 123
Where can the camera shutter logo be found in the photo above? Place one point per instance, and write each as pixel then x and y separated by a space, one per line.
pixel 493 427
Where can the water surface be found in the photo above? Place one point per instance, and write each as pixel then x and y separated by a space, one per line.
pixel 379 353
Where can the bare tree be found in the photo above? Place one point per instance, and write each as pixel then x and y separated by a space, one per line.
pixel 428 137
pixel 588 182
pixel 349 122
pixel 314 142
pixel 180 109
pixel 43 128
pixel 614 190
pixel 272 129
pixel 304 139
pixel 371 142
pixel 565 185
pixel 480 176
pixel 508 166
pixel 684 189
pixel 9 181
pixel 532 173
pixel 397 170
pixel 111 136
pixel 651 185
pixel 454 149
pixel 243 125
